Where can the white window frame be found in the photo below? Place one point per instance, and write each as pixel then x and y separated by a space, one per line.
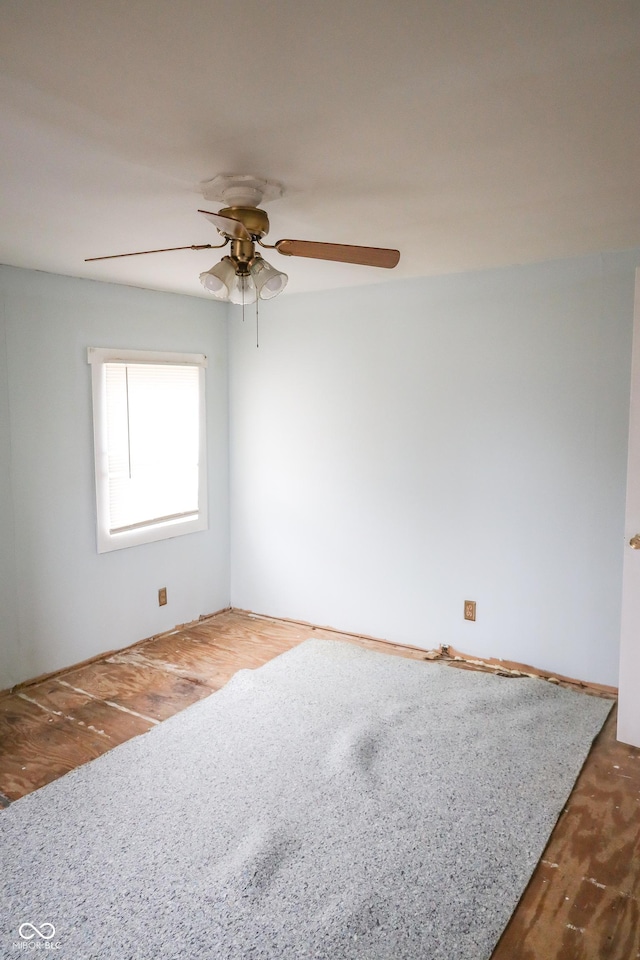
pixel 97 357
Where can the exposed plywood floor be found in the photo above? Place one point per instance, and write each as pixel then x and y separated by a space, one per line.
pixel 583 901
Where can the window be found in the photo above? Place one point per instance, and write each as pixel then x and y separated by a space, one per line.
pixel 150 445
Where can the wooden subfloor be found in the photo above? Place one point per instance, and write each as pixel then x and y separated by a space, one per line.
pixel 583 901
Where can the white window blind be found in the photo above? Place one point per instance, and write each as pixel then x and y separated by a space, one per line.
pixel 149 448
pixel 153 441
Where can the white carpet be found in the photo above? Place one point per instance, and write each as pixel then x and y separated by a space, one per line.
pixel 336 804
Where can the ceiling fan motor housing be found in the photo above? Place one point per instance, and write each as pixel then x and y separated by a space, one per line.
pixel 255 221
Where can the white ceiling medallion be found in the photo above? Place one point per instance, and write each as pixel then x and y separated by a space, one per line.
pixel 240 190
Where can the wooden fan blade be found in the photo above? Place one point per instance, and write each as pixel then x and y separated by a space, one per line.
pixel 343 252
pixel 140 253
pixel 227 225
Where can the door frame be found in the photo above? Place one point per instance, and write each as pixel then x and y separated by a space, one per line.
pixel 629 678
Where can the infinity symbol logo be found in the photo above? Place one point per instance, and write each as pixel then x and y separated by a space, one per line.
pixel 41 932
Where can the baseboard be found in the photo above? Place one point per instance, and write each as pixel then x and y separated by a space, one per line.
pixel 454 656
pixel 107 653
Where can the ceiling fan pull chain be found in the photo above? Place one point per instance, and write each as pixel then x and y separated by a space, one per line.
pixel 257 338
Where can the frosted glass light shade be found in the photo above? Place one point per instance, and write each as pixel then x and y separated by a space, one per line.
pixel 224 283
pixel 219 279
pixel 269 281
pixel 243 289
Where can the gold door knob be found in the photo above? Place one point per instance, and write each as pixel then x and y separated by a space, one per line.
pixel 634 543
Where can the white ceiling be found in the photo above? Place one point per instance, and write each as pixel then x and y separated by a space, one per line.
pixel 467 134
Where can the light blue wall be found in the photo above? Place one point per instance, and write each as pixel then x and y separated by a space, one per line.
pixel 400 448
pixel 61 602
pixel 395 450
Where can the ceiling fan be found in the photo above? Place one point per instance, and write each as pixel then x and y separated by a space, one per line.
pixel 243 276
